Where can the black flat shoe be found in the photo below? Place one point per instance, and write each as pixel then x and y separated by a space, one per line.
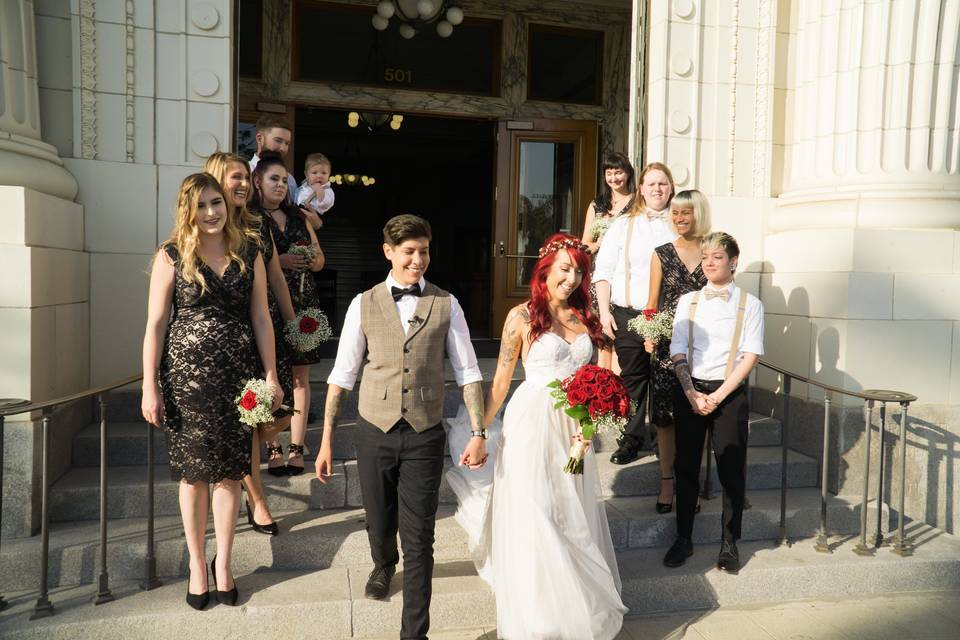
pixel 224 597
pixel 378 584
pixel 729 558
pixel 269 529
pixel 281 470
pixel 665 507
pixel 297 450
pixel 197 600
pixel 677 554
pixel 626 453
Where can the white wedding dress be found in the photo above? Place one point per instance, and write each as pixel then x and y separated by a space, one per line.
pixel 538 535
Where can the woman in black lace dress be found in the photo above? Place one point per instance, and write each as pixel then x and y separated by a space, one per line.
pixel 208 332
pixel 674 270
pixel 288 228
pixel 233 174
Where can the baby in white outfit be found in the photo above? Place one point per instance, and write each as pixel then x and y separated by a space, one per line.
pixel 315 190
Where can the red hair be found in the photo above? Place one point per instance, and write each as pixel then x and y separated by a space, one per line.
pixel 540 319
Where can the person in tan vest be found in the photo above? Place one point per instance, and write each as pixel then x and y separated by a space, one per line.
pixel 402 329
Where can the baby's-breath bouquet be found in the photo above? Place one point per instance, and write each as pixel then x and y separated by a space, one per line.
pixel 255 402
pixel 652 325
pixel 305 332
pixel 305 251
pixel 600 226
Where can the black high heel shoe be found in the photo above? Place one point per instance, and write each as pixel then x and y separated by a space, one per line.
pixel 198 601
pixel 278 471
pixel 270 529
pixel 297 450
pixel 665 507
pixel 224 597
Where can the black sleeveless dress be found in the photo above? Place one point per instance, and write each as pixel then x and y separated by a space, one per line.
pixel 677 280
pixel 208 355
pixel 303 290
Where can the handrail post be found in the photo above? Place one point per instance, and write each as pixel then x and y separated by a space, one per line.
pixel 900 545
pixel 3 603
pixel 862 549
pixel 43 607
pixel 103 579
pixel 150 580
pixel 823 542
pixel 878 536
pixel 784 442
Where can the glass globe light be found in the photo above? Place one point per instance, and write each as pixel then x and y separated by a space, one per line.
pixel 385 9
pixel 444 29
pixel 425 8
pixel 379 22
pixel 407 31
pixel 454 15
pixel 372 181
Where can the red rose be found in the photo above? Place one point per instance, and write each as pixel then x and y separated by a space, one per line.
pixel 587 374
pixel 308 325
pixel 607 391
pixel 601 406
pixel 303 243
pixel 576 396
pixel 649 313
pixel 624 409
pixel 249 400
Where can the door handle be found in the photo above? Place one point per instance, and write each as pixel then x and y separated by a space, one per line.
pixel 502 253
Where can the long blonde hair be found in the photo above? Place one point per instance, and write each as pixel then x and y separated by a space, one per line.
pixel 185 235
pixel 639 205
pixel 218 165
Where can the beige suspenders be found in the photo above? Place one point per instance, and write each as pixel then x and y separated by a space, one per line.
pixel 626 261
pixel 735 343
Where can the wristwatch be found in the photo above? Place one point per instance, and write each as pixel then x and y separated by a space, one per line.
pixel 479 433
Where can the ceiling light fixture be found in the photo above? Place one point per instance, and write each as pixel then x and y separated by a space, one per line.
pixel 417 14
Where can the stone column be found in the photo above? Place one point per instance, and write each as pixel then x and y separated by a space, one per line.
pixel 25 160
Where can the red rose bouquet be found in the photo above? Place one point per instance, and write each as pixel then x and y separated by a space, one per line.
pixel 598 400
pixel 307 330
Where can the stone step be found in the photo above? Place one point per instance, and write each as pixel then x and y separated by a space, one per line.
pixel 319 540
pixel 331 601
pixel 75 496
pixel 127 442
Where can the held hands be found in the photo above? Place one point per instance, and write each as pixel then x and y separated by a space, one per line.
pixel 700 404
pixel 608 323
pixel 324 463
pixel 152 405
pixel 474 454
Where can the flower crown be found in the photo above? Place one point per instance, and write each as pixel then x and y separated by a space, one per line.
pixel 566 243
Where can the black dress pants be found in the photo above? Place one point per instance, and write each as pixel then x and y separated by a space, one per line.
pixel 400 474
pixel 635 371
pixel 728 431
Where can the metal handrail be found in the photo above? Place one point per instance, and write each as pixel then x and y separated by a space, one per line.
pixel 16 409
pixel 870 397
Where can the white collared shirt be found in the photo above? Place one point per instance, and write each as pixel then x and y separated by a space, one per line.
pixel 647 235
pixel 291 183
pixel 353 343
pixel 713 327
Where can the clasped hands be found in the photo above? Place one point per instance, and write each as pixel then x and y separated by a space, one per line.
pixel 474 454
pixel 702 403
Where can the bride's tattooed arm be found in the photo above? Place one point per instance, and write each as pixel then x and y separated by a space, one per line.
pixel 511 347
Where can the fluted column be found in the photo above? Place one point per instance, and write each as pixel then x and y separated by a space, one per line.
pixel 874 114
pixel 25 160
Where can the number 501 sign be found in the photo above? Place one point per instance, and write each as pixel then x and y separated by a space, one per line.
pixel 398 75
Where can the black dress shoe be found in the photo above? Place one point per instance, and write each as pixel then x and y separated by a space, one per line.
pixel 224 597
pixel 627 452
pixel 269 529
pixel 729 559
pixel 197 600
pixel 378 584
pixel 678 553
pixel 665 507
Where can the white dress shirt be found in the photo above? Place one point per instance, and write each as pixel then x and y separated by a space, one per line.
pixel 291 183
pixel 353 343
pixel 647 235
pixel 713 327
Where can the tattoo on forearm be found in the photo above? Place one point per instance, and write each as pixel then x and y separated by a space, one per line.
pixel 473 399
pixel 331 409
pixel 510 340
pixel 682 368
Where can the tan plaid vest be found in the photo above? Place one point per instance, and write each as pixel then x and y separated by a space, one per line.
pixel 403 376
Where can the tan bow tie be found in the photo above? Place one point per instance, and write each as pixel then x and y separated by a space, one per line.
pixel 655 215
pixel 710 294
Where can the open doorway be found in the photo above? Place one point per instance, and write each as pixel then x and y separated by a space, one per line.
pixel 439 168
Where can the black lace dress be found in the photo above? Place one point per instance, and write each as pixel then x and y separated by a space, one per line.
pixel 677 280
pixel 303 288
pixel 281 348
pixel 208 355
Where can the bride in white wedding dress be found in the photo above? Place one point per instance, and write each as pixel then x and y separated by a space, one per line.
pixel 539 535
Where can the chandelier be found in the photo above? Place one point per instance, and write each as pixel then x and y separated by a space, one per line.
pixel 374 120
pixel 417 14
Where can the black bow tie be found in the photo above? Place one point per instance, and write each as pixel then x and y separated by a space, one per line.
pixel 412 290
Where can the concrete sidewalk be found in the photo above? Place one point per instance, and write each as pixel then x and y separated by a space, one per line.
pixel 932 615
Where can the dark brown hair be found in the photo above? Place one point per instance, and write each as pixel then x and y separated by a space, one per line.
pixel 405 227
pixel 267 122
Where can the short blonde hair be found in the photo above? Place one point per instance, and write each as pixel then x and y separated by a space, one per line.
pixel 723 241
pixel 314 159
pixel 693 199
